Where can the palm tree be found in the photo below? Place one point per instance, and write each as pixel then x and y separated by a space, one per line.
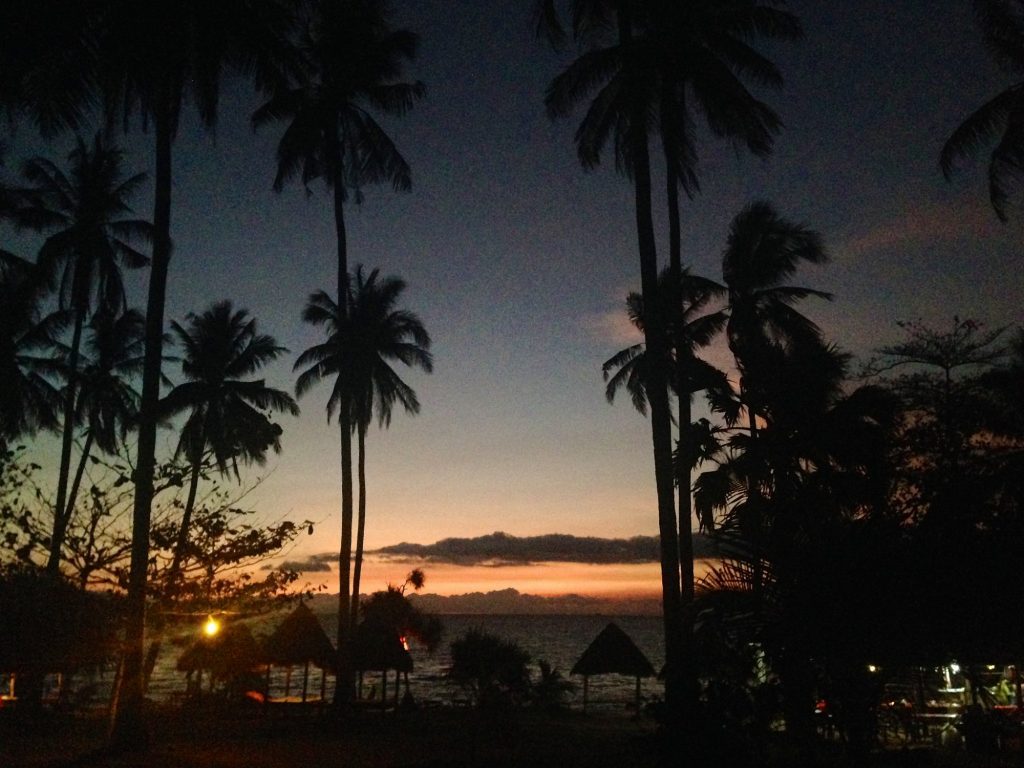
pixel 352 63
pixel 155 57
pixel 688 374
pixel 626 85
pixel 763 250
pixel 29 400
pixel 47 69
pixel 88 211
pixel 998 120
pixel 644 81
pixel 379 335
pixel 227 413
pixel 108 402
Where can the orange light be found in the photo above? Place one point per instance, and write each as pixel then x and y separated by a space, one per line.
pixel 405 642
pixel 211 627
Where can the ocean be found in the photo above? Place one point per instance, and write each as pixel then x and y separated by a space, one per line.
pixel 558 639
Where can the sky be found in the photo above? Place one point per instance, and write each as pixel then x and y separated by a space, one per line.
pixel 518 263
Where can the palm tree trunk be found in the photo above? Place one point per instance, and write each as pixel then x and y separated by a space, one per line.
pixel 657 394
pixel 688 673
pixel 656 343
pixel 60 520
pixel 129 729
pixel 360 526
pixel 77 483
pixel 345 687
pixel 186 522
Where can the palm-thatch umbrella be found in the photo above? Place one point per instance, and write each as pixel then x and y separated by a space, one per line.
pixel 380 648
pixel 612 652
pixel 230 652
pixel 300 639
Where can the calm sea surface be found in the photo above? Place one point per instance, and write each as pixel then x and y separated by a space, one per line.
pixel 560 640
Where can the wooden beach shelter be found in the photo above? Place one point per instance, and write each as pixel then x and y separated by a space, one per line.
pixel 379 649
pixel 612 652
pixel 300 639
pixel 230 652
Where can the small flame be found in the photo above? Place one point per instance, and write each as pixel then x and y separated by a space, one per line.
pixel 211 627
pixel 405 642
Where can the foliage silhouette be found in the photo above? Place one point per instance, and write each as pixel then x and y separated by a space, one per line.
pixel 379 335
pixel 351 63
pixel 88 212
pixel 998 120
pixel 228 414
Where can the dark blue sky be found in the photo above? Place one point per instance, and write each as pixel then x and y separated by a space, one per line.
pixel 518 261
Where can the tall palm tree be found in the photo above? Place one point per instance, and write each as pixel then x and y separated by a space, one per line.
pixel 352 62
pixel 88 212
pixel 764 330
pixel 379 335
pixel 1001 118
pixel 622 111
pixel 156 56
pixel 668 57
pixel 107 402
pixel 228 413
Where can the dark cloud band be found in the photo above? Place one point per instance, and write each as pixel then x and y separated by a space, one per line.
pixel 499 549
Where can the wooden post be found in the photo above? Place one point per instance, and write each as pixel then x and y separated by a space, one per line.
pixel 288 681
pixel 586 691
pixel 266 693
pixel 305 681
pixel 638 695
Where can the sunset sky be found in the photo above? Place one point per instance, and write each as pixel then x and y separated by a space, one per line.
pixel 518 263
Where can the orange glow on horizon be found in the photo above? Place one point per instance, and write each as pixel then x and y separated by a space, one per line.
pixel 621 581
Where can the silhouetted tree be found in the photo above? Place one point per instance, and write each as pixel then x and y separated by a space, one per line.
pixel 998 120
pixel 107 401
pixel 156 56
pixel 88 212
pixel 380 334
pixel 228 413
pixel 351 67
pixel 622 111
pixel 493 671
pixel 28 398
pixel 795 494
pixel 666 57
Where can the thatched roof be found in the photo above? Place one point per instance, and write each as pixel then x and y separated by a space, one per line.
pixel 613 652
pixel 298 639
pixel 380 649
pixel 231 651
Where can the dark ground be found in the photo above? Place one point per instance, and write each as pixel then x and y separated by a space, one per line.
pixel 215 737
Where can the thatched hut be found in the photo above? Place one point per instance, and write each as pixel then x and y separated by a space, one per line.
pixel 230 653
pixel 612 652
pixel 300 639
pixel 380 649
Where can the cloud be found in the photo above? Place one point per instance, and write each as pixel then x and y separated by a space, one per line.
pixel 612 327
pixel 935 224
pixel 498 549
pixel 312 564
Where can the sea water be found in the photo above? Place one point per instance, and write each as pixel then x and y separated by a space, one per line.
pixel 558 639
